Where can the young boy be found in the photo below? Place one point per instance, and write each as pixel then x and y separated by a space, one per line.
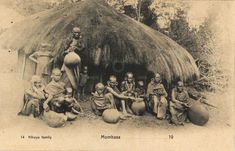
pixel 83 81
pixel 101 101
pixel 140 91
pixel 70 103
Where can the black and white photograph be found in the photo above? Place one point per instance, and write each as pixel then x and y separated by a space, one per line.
pixel 117 75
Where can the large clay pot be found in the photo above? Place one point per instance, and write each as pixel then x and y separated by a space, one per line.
pixel 72 59
pixel 111 116
pixel 198 114
pixel 138 108
pixel 54 119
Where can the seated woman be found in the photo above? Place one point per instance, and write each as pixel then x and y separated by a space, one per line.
pixel 101 101
pixel 179 104
pixel 33 98
pixel 55 90
pixel 157 97
pixel 112 90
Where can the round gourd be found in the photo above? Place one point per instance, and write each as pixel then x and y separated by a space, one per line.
pixel 54 119
pixel 138 108
pixel 72 59
pixel 198 114
pixel 111 116
pixel 70 116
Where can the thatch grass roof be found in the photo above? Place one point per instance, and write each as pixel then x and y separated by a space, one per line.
pixel 131 42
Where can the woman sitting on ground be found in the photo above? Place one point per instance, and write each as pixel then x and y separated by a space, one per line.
pixel 55 90
pixel 179 104
pixel 33 98
pixel 157 97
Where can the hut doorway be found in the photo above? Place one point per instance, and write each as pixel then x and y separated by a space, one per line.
pixel 119 70
pixel 101 74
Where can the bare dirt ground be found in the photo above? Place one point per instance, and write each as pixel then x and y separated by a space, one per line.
pixel 137 133
pixel 143 129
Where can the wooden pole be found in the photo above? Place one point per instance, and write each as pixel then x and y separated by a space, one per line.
pixel 139 10
pixel 23 67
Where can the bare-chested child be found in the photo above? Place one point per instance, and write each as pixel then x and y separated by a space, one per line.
pixel 70 103
pixel 101 101
pixel 83 82
pixel 140 90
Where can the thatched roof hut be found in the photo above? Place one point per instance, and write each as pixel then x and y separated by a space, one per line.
pixel 122 39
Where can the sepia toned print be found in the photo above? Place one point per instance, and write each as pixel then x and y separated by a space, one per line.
pixel 117 75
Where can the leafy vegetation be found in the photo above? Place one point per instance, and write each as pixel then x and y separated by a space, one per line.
pixel 171 19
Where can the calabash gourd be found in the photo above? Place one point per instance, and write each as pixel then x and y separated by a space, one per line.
pixel 54 119
pixel 72 59
pixel 111 116
pixel 138 108
pixel 198 114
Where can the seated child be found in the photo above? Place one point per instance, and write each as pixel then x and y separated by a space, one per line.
pixel 33 98
pixel 140 91
pixel 70 103
pixel 101 101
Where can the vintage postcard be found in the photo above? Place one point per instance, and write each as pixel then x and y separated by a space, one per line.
pixel 117 75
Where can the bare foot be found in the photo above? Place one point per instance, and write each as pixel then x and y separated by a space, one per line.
pixel 126 114
pixel 122 117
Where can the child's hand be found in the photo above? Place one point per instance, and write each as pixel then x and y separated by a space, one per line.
pixel 132 98
pixel 34 88
pixel 57 104
pixel 71 105
pixel 45 107
pixel 109 106
pixel 82 114
pixel 186 104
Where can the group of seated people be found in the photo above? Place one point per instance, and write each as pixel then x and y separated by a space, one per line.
pixel 109 96
pixel 56 97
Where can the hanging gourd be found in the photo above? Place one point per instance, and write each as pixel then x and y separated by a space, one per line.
pixel 98 56
pixel 72 59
